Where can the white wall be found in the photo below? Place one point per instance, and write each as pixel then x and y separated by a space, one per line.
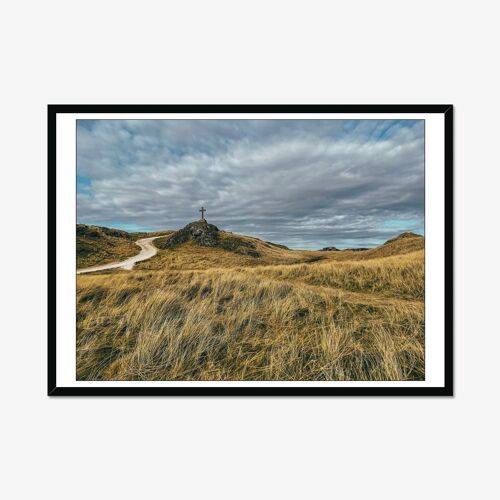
pixel 252 52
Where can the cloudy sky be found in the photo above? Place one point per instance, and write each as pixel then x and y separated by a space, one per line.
pixel 302 183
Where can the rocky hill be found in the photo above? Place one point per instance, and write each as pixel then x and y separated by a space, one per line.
pixel 203 234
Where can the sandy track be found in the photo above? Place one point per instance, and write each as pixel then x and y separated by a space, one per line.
pixel 147 251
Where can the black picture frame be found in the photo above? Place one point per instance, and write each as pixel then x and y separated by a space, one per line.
pixel 54 390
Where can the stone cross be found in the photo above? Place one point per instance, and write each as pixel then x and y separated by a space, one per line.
pixel 202 210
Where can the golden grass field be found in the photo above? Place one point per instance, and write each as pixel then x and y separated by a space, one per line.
pixel 197 313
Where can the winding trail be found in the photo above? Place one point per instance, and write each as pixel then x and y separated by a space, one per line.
pixel 148 250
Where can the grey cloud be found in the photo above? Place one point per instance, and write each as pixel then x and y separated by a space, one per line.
pixel 304 183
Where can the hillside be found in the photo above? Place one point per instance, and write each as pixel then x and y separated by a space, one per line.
pixel 101 245
pixel 200 245
pixel 399 245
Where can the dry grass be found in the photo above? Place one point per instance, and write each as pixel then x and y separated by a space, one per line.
pixel 207 314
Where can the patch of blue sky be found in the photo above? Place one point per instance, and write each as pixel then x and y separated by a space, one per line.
pixel 83 184
pixel 387 128
pixel 129 227
pixel 402 225
pixel 374 130
pixel 85 124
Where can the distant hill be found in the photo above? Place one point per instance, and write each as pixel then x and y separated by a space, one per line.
pixel 403 236
pixel 100 245
pixel 399 245
pixel 404 243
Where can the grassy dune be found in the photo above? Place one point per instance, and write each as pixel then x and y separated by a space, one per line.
pixel 207 314
pixel 101 245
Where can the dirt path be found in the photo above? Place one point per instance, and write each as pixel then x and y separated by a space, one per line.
pixel 147 251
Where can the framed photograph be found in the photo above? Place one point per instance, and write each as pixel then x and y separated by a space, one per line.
pixel 270 250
